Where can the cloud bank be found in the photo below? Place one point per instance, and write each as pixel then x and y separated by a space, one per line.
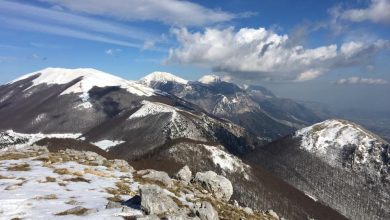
pixel 173 12
pixel 359 80
pixel 378 11
pixel 250 53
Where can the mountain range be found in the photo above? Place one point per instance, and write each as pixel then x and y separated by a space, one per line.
pixel 278 153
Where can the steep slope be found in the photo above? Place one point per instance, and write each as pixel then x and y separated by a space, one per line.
pixel 336 162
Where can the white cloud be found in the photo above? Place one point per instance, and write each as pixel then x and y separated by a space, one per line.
pixel 167 11
pixel 112 52
pixel 359 80
pixel 378 11
pixel 66 24
pixel 308 75
pixel 263 53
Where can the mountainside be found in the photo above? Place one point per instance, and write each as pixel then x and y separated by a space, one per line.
pixel 85 109
pixel 268 117
pixel 336 162
pixel 105 108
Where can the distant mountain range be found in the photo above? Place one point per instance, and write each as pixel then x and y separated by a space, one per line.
pixel 266 145
pixel 254 107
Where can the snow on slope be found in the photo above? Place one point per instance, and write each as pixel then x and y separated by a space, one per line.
pixel 90 78
pixel 152 108
pixel 178 125
pixel 333 138
pixel 107 144
pixel 226 161
pixel 163 77
pixel 18 140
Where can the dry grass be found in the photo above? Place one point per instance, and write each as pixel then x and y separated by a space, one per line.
pixel 122 188
pixel 115 198
pixel 50 179
pixel 65 171
pixel 74 211
pixel 47 197
pixel 73 202
pixel 14 156
pixel 78 179
pixel 19 167
pixel 6 177
pixel 96 172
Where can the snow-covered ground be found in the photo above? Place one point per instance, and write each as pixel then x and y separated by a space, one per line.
pixel 106 144
pixel 41 192
pixel 19 140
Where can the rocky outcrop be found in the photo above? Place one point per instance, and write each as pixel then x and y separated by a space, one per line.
pixel 184 175
pixel 218 185
pixel 155 201
pixel 205 211
pixel 157 176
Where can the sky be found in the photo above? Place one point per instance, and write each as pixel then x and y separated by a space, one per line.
pixel 333 52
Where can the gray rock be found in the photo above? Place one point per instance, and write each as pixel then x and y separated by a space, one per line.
pixel 122 164
pixel 218 185
pixel 248 211
pixel 272 213
pixel 158 176
pixel 148 217
pixel 205 211
pixel 113 205
pixel 184 175
pixel 155 201
pixel 182 214
pixel 78 210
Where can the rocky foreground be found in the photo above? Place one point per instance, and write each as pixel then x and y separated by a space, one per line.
pixel 38 184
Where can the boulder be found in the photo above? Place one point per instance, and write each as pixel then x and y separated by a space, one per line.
pixel 155 201
pixel 218 185
pixel 205 211
pixel 122 165
pixel 248 211
pixel 158 176
pixel 184 175
pixel 272 213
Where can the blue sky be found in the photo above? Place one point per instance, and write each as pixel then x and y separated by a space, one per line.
pixel 311 50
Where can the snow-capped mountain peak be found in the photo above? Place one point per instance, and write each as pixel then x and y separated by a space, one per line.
pixel 333 132
pixel 161 77
pixel 208 79
pixel 343 143
pixel 89 78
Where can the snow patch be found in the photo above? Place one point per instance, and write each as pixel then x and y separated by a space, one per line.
pixel 152 108
pixel 106 144
pixel 226 161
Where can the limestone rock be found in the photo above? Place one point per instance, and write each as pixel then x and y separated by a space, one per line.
pixel 184 175
pixel 218 185
pixel 158 176
pixel 155 201
pixel 205 211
